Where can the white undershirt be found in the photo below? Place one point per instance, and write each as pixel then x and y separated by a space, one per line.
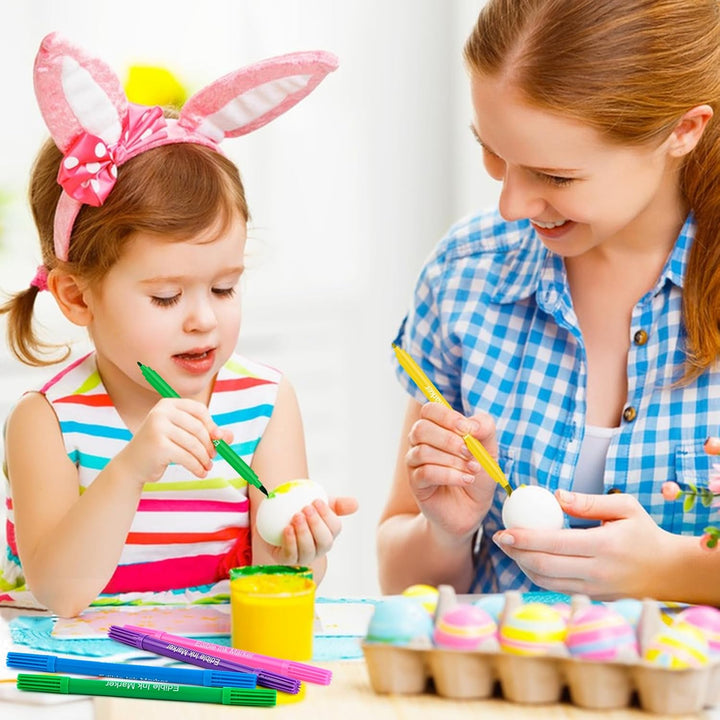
pixel 590 470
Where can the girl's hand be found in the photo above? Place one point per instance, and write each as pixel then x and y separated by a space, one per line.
pixel 450 486
pixel 312 532
pixel 621 557
pixel 176 430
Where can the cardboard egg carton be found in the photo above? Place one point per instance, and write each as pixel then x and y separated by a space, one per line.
pixel 476 674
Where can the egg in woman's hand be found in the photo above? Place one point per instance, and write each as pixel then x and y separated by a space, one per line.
pixel 276 510
pixel 532 507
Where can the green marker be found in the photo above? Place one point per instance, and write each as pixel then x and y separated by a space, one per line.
pixel 143 689
pixel 223 449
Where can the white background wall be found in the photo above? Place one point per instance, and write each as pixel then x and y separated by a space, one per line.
pixel 349 192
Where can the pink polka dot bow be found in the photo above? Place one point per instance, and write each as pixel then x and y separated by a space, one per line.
pixel 89 169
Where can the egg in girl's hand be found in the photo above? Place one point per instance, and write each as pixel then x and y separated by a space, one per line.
pixel 533 507
pixel 276 511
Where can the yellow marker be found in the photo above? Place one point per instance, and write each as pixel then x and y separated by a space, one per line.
pixel 433 395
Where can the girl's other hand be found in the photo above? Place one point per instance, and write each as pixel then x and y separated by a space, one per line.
pixel 176 430
pixel 452 489
pixel 312 531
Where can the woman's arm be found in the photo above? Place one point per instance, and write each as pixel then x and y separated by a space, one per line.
pixel 628 555
pixel 437 502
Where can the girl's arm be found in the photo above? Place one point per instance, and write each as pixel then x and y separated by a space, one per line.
pixel 279 457
pixel 437 502
pixel 69 543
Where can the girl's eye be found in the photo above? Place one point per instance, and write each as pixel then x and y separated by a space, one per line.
pixel 224 292
pixel 165 301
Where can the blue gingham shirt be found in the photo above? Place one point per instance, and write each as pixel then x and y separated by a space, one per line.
pixel 492 325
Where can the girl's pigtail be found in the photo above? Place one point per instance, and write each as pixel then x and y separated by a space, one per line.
pixel 23 339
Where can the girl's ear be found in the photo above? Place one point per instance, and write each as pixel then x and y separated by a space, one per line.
pixel 70 297
pixel 689 130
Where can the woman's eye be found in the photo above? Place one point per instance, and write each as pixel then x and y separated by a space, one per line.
pixel 165 301
pixel 224 292
pixel 555 180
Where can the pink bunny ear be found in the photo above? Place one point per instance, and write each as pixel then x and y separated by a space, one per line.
pixel 84 106
pixel 77 93
pixel 247 99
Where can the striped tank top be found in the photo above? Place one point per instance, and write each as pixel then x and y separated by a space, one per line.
pixel 187 531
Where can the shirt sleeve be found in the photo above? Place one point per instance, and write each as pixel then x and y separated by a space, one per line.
pixel 423 333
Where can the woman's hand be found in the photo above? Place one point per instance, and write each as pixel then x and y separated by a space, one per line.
pixel 312 531
pixel 620 558
pixel 176 430
pixel 451 488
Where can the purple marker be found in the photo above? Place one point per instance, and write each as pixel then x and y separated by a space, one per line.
pixel 265 678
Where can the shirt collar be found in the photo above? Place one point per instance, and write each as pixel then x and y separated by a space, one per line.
pixel 535 270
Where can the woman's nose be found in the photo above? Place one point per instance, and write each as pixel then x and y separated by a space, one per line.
pixel 519 197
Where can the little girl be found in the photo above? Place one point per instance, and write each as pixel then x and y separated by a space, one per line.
pixel 142 223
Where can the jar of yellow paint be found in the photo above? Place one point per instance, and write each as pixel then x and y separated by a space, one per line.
pixel 273 610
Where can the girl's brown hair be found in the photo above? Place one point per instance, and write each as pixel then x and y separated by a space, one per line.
pixel 630 69
pixel 176 191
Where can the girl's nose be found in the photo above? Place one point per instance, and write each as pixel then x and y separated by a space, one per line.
pixel 519 197
pixel 200 317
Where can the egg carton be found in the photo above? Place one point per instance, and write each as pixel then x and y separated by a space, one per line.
pixel 543 679
pixel 472 675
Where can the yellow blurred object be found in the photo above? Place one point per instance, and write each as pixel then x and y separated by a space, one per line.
pixel 426 594
pixel 153 85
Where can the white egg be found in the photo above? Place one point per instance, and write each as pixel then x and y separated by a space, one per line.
pixel 276 511
pixel 534 507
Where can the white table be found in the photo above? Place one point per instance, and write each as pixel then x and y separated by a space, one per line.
pixel 349 696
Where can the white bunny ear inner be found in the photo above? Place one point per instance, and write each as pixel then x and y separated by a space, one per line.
pixel 89 102
pixel 237 117
pixel 249 98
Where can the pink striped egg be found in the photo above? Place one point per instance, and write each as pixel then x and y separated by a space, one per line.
pixel 707 620
pixel 464 627
pixel 533 629
pixel 596 632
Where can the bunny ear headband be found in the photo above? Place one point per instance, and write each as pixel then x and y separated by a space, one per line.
pixel 93 124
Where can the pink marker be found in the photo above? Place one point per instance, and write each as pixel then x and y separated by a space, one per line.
pixel 290 668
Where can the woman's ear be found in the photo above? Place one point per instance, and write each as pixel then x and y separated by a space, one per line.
pixel 69 294
pixel 689 130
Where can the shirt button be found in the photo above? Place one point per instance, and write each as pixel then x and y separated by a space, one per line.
pixel 629 413
pixel 640 337
pixel 614 491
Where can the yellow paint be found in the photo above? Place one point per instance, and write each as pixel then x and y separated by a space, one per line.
pixel 272 613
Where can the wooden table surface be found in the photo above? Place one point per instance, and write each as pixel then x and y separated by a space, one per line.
pixel 350 697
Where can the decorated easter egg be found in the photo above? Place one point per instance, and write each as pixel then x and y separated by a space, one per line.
pixel 707 620
pixel 399 620
pixel 629 608
pixel 464 627
pixel 532 506
pixel 596 632
pixel 680 645
pixel 492 604
pixel 533 629
pixel 276 511
pixel 426 595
